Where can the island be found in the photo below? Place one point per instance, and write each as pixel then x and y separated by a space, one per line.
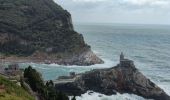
pixel 123 78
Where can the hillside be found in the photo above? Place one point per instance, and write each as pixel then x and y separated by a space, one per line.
pixel 41 28
pixel 10 91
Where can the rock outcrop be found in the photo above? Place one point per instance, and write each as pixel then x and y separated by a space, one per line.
pixel 31 26
pixel 84 58
pixel 123 78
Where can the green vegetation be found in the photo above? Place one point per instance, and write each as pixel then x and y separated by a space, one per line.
pixel 11 91
pixel 47 91
pixel 27 26
pixel 74 98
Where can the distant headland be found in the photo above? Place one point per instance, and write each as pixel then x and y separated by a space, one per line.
pixel 41 31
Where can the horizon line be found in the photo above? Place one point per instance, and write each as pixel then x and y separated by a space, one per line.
pixel 157 24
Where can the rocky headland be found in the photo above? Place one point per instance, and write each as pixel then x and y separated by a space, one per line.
pixel 123 78
pixel 41 31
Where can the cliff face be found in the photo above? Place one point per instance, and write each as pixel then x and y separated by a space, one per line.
pixel 123 78
pixel 29 26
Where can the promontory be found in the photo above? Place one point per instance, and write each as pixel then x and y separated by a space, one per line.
pixel 123 78
pixel 41 31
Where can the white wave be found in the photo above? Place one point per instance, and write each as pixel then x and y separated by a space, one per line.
pixel 165 87
pixel 107 64
pixel 98 96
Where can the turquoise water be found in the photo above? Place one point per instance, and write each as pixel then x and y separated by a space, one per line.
pixel 147 45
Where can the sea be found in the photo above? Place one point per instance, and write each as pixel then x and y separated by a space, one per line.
pixel 147 45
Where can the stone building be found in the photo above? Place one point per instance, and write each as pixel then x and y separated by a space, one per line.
pixel 13 70
pixel 125 62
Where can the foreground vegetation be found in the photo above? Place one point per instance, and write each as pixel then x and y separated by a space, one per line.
pixel 10 91
pixel 47 91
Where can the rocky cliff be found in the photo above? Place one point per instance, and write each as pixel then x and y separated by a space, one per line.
pixel 123 78
pixel 32 27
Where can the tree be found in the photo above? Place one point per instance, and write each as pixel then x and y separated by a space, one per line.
pixel 47 91
pixel 33 78
pixel 74 98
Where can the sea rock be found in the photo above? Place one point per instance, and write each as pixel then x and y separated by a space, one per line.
pixel 123 78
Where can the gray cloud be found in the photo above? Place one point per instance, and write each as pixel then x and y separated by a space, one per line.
pixel 119 11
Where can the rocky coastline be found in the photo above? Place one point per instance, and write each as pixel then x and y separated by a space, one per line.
pixel 123 78
pixel 85 58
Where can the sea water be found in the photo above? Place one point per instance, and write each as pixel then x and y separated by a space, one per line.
pixel 147 45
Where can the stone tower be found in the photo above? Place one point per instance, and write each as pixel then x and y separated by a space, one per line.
pixel 121 56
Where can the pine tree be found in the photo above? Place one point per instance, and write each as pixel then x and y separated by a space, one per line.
pixel 74 98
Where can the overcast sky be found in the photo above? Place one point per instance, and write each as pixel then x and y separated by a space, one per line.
pixel 118 11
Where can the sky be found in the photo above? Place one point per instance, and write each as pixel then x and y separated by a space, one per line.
pixel 118 11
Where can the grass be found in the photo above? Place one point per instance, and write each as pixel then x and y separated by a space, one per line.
pixel 11 91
